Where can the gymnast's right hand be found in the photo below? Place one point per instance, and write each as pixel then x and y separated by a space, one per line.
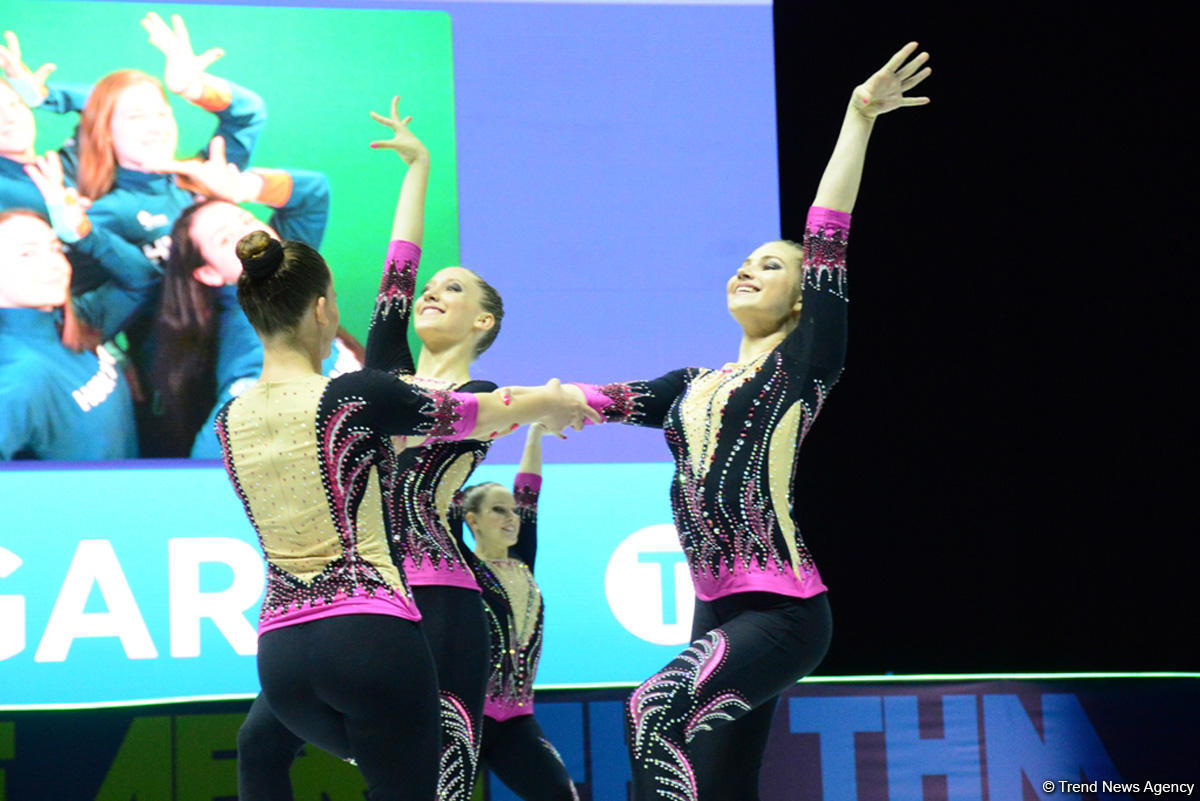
pixel 565 409
pixel 403 141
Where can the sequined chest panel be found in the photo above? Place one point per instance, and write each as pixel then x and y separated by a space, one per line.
pixel 516 618
pixel 426 480
pixel 734 433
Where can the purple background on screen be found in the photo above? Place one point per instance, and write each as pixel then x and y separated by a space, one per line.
pixel 615 163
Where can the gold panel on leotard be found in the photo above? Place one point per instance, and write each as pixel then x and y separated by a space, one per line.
pixel 781 464
pixel 275 453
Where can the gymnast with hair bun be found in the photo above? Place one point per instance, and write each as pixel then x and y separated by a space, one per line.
pixel 341 661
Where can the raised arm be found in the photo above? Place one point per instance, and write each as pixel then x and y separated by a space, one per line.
pixel 526 487
pixel 241 113
pixel 879 94
pixel 387 339
pixel 818 343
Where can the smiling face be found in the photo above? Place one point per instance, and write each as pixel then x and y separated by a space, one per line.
pixel 17 129
pixel 216 229
pixel 34 273
pixel 449 309
pixel 496 524
pixel 765 291
pixel 144 133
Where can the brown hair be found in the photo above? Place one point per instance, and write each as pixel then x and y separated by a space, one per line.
pixel 489 300
pixel 76 335
pixel 97 161
pixel 473 497
pixel 279 281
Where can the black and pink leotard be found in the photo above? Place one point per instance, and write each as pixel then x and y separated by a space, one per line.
pixel 735 434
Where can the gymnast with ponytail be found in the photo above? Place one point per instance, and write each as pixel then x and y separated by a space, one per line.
pixel 504 525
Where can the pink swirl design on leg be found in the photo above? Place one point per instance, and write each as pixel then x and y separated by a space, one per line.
pixel 709 652
pixel 460 751
pixel 716 709
pixel 652 698
pixel 676 777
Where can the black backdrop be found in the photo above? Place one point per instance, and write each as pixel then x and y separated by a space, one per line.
pixel 1003 479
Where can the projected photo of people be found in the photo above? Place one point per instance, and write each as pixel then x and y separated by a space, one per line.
pixel 160 164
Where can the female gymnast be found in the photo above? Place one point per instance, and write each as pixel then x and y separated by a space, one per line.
pixel 57 400
pixel 457 317
pixel 504 525
pixel 341 662
pixel 697 728
pixel 265 746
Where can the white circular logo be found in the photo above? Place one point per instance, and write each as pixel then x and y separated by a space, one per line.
pixel 649 587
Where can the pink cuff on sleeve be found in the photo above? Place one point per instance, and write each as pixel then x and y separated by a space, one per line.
pixel 593 397
pixel 527 481
pixel 822 218
pixel 466 412
pixel 400 250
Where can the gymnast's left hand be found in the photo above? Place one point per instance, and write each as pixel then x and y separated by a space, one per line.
pixel 884 91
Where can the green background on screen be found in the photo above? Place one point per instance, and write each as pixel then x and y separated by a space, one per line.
pixel 320 71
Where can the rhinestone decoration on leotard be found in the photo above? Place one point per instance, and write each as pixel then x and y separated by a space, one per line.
pixel 286 444
pixel 396 289
pixel 516 615
pixel 735 434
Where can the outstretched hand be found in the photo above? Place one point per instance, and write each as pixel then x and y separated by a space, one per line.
pixel 68 215
pixel 184 69
pixel 403 141
pixel 567 409
pixel 884 91
pixel 30 85
pixel 215 177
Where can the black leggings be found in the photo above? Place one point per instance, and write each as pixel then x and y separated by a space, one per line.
pixel 697 729
pixel 519 754
pixel 454 624
pixel 357 686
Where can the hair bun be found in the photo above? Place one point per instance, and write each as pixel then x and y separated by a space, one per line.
pixel 260 255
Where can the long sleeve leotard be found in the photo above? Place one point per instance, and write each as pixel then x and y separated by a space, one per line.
pixel 735 433
pixel 426 478
pixel 302 455
pixel 515 612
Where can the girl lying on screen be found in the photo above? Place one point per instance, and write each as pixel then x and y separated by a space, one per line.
pixel 206 351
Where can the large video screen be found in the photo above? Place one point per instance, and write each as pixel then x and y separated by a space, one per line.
pixel 606 166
